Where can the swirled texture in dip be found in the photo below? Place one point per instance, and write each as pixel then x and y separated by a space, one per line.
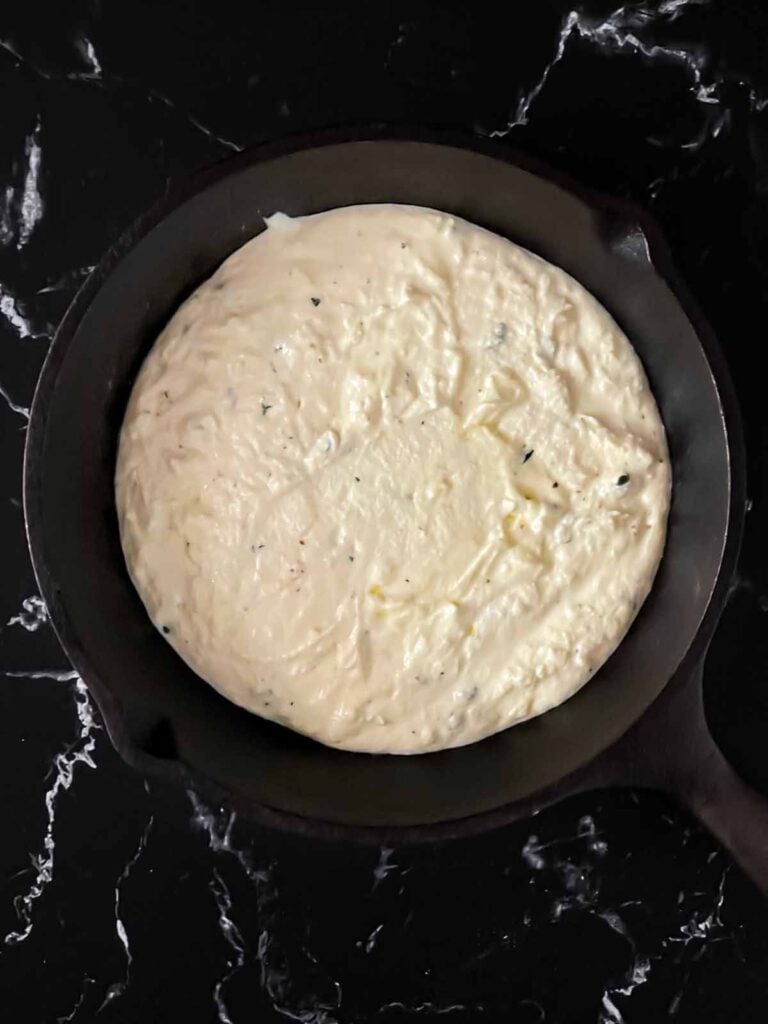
pixel 392 481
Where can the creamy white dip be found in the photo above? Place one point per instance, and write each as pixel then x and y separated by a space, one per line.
pixel 392 481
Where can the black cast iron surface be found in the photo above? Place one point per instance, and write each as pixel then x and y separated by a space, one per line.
pixel 140 902
pixel 154 708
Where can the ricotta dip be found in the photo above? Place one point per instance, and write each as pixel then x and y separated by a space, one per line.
pixel 391 480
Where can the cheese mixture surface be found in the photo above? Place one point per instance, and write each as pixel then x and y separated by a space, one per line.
pixel 392 481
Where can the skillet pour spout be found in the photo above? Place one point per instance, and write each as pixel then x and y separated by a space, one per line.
pixel 639 721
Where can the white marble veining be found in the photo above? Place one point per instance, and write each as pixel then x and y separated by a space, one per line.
pixel 383 867
pixel 218 827
pixel 117 989
pixel 12 315
pixel 536 1006
pixel 21 209
pixel 32 616
pixel 531 853
pixel 97 76
pixel 233 939
pixel 586 829
pixel 609 1012
pixel 373 938
pixel 70 281
pixel 672 9
pixel 621 32
pixel 59 675
pixel 6 214
pixel 88 54
pixel 66 1018
pixel 194 121
pixel 428 1009
pixel 64 765
pixel 20 410
pixel 574 887
pixel 10 47
pixel 314 1007
pixel 31 209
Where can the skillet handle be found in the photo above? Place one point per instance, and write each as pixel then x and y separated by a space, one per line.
pixel 734 812
pixel 703 780
pixel 671 748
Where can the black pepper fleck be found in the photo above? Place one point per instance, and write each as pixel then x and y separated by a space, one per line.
pixel 555 484
pixel 527 455
pixel 351 558
pixel 166 629
pixel 315 301
pixel 265 409
pixel 623 479
pixel 357 479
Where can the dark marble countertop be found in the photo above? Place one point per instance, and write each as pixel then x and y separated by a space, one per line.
pixel 123 899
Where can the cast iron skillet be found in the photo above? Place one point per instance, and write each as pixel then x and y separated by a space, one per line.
pixel 640 721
